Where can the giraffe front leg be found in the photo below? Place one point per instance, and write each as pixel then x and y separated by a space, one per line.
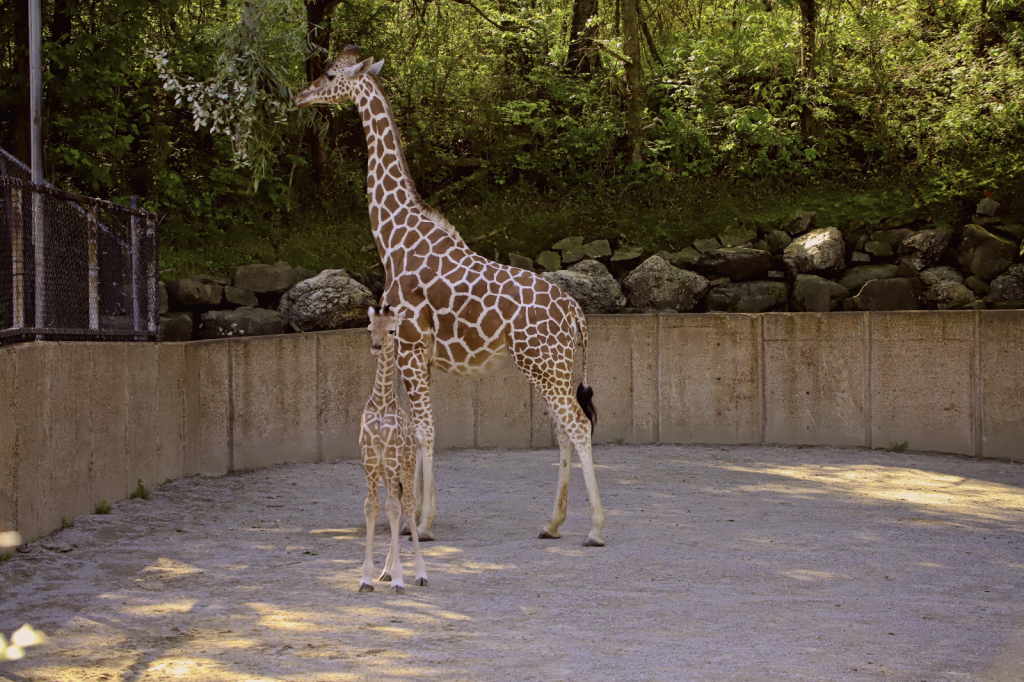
pixel 371 508
pixel 550 531
pixel 416 376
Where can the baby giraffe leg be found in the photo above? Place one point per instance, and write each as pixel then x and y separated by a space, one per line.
pixel 372 510
pixel 393 509
pixel 419 568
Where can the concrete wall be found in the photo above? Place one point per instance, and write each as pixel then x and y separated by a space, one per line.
pixel 83 422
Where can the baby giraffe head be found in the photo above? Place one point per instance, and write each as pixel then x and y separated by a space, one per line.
pixel 383 326
pixel 341 81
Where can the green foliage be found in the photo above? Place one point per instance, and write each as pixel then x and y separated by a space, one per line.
pixel 187 103
pixel 140 492
pixel 65 522
pixel 899 447
pixel 103 508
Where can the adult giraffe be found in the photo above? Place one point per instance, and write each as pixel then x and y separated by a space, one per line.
pixel 466 315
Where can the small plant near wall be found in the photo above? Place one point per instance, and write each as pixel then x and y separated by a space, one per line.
pixel 103 508
pixel 140 492
pixel 899 447
pixel 65 522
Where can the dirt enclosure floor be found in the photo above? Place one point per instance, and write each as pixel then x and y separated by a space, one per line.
pixel 722 563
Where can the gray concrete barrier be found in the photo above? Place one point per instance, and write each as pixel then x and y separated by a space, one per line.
pixel 81 423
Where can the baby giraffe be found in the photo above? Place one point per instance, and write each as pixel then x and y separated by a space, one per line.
pixel 389 455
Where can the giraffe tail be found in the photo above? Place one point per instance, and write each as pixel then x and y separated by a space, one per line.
pixel 584 393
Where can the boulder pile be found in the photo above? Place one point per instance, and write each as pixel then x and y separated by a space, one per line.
pixel 907 262
pixel 266 299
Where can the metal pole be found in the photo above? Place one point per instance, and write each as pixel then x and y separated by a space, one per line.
pixel 152 303
pixel 94 270
pixel 17 260
pixel 136 244
pixel 35 61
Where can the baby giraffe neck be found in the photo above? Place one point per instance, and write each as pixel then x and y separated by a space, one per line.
pixel 384 384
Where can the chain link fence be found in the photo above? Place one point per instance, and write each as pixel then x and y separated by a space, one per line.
pixel 72 267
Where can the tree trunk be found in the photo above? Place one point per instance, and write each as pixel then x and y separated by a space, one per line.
pixel 317 17
pixel 631 47
pixel 647 33
pixel 21 115
pixel 583 55
pixel 809 17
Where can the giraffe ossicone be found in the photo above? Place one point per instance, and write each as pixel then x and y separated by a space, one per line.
pixel 464 314
pixel 388 448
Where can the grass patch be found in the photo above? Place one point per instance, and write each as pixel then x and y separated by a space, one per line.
pixel 140 492
pixel 65 522
pixel 899 447
pixel 6 556
pixel 103 508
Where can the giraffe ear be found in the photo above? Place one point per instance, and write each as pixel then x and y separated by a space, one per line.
pixel 357 70
pixel 372 312
pixel 375 69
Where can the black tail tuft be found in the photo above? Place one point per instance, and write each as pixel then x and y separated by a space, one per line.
pixel 585 397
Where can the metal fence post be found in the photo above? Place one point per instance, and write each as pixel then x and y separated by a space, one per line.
pixel 39 247
pixel 17 261
pixel 94 269
pixel 153 305
pixel 135 244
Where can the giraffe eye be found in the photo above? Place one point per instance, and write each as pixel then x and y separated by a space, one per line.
pixel 391 332
pixel 330 76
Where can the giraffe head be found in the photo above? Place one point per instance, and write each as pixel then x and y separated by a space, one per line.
pixel 383 327
pixel 340 83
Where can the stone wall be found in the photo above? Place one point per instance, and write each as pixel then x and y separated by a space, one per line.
pixel 81 423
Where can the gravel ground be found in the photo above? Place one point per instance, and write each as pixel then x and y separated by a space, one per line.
pixel 722 563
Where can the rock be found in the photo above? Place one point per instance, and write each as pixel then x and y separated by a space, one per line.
pixel 266 279
pixel 748 297
pixel 948 294
pixel 572 255
pixel 571 248
pixel 213 279
pixel 892 237
pixel 517 261
pixel 802 222
pixel 590 283
pixel 924 248
pixel 1016 230
pixel 1009 286
pixel 736 263
pixel 816 251
pixel 627 253
pixel 817 294
pixel 304 273
pixel 861 241
pixel 599 248
pixel 240 297
pixel 855 278
pixel 776 274
pixel 977 285
pixel 164 300
pixel 761 245
pixel 658 284
pixel 986 221
pixel 719 281
pixel 241 322
pixel 737 236
pixel 941 273
pixel 550 261
pixel 705 245
pixel 176 327
pixel 987 207
pixel 1008 305
pixel 687 257
pixel 778 240
pixel 331 300
pixel 984 254
pixel 879 249
pixel 897 293
pixel 859 257
pixel 185 292
pixel 568 243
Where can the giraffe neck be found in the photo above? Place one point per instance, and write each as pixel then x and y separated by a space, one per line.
pixel 384 384
pixel 389 185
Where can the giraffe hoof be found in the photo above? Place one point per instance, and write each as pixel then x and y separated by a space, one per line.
pixel 385 577
pixel 363 587
pixel 591 542
pixel 405 530
pixel 426 536
pixel 398 589
pixel 422 582
pixel 545 535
